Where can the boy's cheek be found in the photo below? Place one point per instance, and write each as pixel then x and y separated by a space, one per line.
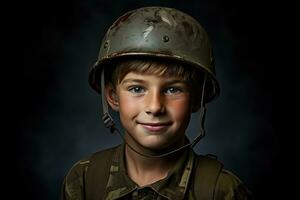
pixel 180 110
pixel 127 105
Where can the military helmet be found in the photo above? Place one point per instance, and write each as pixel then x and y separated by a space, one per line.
pixel 157 32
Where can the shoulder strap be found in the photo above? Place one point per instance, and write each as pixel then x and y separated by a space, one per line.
pixel 208 169
pixel 97 174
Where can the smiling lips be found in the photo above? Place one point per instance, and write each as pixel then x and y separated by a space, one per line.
pixel 155 127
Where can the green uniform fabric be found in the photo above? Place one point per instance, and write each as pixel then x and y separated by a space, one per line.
pixel 117 185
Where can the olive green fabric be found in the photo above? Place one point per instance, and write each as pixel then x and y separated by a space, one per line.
pixel 207 172
pixel 112 177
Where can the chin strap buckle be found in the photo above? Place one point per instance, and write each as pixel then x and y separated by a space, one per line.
pixel 108 122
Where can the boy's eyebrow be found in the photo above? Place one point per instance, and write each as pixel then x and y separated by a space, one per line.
pixel 173 81
pixel 133 80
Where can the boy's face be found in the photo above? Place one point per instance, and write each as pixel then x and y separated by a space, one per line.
pixel 154 110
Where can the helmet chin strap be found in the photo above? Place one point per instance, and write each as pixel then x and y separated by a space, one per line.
pixel 110 124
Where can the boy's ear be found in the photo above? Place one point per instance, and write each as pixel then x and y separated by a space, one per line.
pixel 111 97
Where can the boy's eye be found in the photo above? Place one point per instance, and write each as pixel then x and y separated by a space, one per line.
pixel 172 90
pixel 136 89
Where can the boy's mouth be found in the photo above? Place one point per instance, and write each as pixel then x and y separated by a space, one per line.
pixel 155 126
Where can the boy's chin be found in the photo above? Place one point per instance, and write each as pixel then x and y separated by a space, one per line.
pixel 159 146
pixel 155 143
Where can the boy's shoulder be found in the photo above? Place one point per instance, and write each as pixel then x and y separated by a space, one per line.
pixel 79 176
pixel 229 186
pixel 226 183
pixel 101 156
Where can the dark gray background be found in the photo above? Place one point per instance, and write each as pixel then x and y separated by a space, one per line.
pixel 56 114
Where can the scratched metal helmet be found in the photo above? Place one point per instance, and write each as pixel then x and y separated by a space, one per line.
pixel 160 32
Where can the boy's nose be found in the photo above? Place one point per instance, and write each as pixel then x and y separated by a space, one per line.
pixel 154 104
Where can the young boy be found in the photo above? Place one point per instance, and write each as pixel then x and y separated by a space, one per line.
pixel 155 68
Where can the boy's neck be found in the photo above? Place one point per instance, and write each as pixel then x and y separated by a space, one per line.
pixel 143 170
pixel 147 170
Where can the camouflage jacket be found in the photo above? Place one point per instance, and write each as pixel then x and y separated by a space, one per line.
pixel 113 182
